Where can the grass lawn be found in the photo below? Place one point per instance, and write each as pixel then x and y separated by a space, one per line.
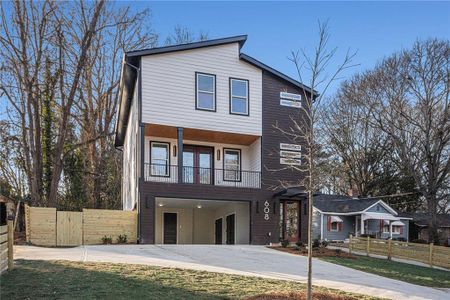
pixel 69 280
pixel 396 270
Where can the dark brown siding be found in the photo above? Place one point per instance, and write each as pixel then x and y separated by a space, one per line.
pixel 275 114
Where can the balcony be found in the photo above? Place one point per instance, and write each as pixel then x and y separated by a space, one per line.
pixel 198 175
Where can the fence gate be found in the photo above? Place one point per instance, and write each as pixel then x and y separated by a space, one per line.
pixel 69 228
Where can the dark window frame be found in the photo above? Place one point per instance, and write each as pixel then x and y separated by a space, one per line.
pixel 230 80
pixel 214 94
pixel 240 165
pixel 168 155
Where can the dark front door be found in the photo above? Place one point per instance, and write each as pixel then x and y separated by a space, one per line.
pixel 170 228
pixel 219 231
pixel 197 164
pixel 230 229
pixel 290 220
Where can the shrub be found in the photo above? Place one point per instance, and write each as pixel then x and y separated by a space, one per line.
pixel 419 241
pixel 284 243
pixel 338 251
pixel 372 236
pixel 316 243
pixel 106 240
pixel 324 243
pixel 400 239
pixel 299 244
pixel 122 239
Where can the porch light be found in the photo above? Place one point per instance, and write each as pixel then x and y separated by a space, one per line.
pixel 218 154
pixel 174 151
pixel 199 206
pixel 160 205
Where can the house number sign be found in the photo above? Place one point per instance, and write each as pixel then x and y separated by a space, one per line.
pixel 266 210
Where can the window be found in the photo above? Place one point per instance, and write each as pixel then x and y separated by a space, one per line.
pixel 159 156
pixel 206 91
pixel 334 226
pixel 232 164
pixel 239 96
pixel 397 229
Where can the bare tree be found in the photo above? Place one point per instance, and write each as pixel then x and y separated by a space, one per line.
pixel 304 124
pixel 182 35
pixel 360 147
pixel 411 94
pixel 98 93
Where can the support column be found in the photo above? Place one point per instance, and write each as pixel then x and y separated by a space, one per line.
pixel 362 224
pixel 180 154
pixel 390 229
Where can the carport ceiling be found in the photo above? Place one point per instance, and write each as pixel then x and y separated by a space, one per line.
pixel 193 203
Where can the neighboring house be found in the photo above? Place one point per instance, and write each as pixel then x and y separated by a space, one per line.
pixel 200 152
pixel 420 223
pixel 335 217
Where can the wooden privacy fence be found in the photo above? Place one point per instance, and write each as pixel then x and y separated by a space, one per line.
pixel 48 227
pixel 426 253
pixel 6 246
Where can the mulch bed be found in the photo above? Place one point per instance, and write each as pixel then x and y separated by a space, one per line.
pixel 301 296
pixel 317 252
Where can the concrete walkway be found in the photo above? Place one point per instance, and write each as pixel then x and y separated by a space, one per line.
pixel 242 260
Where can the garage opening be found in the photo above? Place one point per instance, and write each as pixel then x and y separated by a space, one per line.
pixel 190 221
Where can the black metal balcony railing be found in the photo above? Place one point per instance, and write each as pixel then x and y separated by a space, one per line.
pixel 198 175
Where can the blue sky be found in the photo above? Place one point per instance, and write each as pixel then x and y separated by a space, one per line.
pixel 375 29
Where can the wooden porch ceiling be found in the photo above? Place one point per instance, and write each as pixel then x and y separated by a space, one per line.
pixel 200 135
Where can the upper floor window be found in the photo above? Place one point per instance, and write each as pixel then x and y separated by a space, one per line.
pixel 232 164
pixel 205 91
pixel 239 96
pixel 159 156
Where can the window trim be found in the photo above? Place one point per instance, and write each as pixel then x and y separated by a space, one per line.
pixel 230 90
pixel 337 226
pixel 168 158
pixel 240 165
pixel 197 91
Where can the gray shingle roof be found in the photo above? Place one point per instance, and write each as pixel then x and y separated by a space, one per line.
pixel 341 204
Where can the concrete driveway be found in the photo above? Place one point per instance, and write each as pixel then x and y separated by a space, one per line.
pixel 243 260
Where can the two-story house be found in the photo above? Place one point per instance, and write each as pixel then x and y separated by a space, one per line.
pixel 201 154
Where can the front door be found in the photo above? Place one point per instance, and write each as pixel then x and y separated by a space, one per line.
pixel 218 233
pixel 170 228
pixel 197 164
pixel 290 220
pixel 230 229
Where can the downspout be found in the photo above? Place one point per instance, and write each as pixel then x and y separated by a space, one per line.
pixel 141 144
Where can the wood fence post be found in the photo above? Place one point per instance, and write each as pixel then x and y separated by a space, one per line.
pixel 10 243
pixel 389 249
pixel 27 223
pixel 431 254
pixel 350 244
pixel 368 246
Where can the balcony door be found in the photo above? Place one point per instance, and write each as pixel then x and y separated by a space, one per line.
pixel 197 164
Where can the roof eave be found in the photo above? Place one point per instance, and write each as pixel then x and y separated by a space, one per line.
pixel 188 46
pixel 271 70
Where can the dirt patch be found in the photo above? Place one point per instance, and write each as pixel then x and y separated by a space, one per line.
pixel 317 252
pixel 301 296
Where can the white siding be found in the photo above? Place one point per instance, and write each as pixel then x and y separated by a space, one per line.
pixel 255 155
pixel 130 162
pixel 168 89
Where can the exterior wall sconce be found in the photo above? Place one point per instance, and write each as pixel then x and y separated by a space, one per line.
pixel 218 154
pixel 174 151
